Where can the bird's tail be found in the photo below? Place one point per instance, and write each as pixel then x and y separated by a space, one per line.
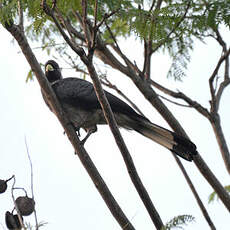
pixel 172 141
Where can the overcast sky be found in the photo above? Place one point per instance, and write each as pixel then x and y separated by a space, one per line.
pixel 65 196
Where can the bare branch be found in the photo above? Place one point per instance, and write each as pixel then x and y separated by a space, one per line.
pixel 222 87
pixel 20 13
pixel 151 7
pixel 86 27
pixel 32 183
pixel 196 195
pixel 106 16
pixel 214 102
pixel 77 49
pixel 182 96
pixel 131 66
pixel 173 102
pixel 112 86
pixel 155 217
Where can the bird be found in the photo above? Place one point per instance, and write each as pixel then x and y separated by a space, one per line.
pixel 78 99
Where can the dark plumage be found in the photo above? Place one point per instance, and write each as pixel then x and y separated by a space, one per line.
pixel 80 102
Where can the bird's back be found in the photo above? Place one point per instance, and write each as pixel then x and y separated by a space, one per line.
pixel 80 93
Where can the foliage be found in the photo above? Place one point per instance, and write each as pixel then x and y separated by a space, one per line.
pixel 178 222
pixel 213 196
pixel 172 28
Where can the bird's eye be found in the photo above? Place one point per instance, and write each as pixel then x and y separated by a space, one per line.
pixel 49 68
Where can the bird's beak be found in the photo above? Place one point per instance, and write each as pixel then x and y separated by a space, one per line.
pixel 49 68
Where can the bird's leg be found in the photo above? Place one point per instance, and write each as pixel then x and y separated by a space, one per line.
pixel 89 132
pixel 76 128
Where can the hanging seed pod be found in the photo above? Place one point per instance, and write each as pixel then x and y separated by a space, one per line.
pixel 25 205
pixel 3 186
pixel 12 221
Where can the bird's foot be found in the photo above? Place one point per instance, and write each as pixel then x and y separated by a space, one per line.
pixel 89 132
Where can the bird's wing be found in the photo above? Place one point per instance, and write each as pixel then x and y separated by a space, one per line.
pixel 80 93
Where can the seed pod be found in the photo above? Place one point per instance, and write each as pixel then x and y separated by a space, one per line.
pixel 25 205
pixel 12 221
pixel 3 186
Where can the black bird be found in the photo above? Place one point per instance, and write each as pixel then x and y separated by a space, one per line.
pixel 80 102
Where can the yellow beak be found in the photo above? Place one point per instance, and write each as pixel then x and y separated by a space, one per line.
pixel 49 68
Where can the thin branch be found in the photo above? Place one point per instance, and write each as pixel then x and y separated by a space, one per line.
pixel 86 27
pixel 155 217
pixel 173 102
pixel 117 48
pixel 147 58
pixel 158 6
pixel 20 13
pixel 196 195
pixel 182 96
pixel 114 87
pixel 106 16
pixel 173 30
pixel 80 51
pixel 148 42
pixel 214 102
pixel 220 91
pixel 152 5
pixel 102 52
pixel 95 28
pixel 32 183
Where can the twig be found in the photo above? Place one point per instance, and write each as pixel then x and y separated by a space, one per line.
pixel 215 101
pixel 182 96
pixel 173 30
pixel 106 16
pixel 117 48
pixel 20 13
pixel 32 183
pixel 114 87
pixel 196 195
pixel 152 5
pixel 86 27
pixel 173 102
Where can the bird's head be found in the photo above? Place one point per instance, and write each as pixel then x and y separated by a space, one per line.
pixel 52 71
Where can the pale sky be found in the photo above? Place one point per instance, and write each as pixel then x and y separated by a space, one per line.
pixel 64 194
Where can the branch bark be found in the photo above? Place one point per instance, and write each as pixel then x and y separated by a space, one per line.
pixel 87 60
pixel 153 98
pixel 69 130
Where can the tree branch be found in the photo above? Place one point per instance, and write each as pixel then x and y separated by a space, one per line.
pixel 112 86
pixel 214 102
pixel 20 13
pixel 69 129
pixel 153 98
pixel 155 217
pixel 87 60
pixel 196 195
pixel 182 96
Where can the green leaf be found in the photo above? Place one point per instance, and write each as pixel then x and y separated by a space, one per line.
pixel 29 76
pixel 178 222
pixel 213 196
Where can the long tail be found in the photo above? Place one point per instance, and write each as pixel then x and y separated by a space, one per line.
pixel 172 141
